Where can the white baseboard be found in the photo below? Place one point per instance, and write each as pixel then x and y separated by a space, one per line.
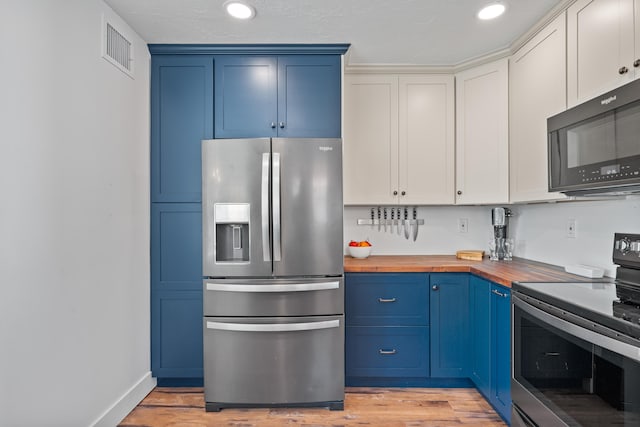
pixel 125 404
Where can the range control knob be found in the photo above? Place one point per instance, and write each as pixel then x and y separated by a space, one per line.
pixel 623 245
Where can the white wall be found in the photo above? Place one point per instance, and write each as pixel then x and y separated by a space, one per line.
pixel 539 231
pixel 439 235
pixel 74 218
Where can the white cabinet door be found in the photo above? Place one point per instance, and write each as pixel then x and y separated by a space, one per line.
pixel 600 42
pixel 482 134
pixel 370 138
pixel 537 90
pixel 426 135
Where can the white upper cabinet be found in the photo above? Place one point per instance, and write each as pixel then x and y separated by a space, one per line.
pixel 398 139
pixel 370 139
pixel 602 47
pixel 537 90
pixel 482 134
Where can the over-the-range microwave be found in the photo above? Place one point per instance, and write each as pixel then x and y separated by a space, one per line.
pixel 594 147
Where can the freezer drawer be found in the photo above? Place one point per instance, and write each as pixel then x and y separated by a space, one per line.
pixel 274 361
pixel 273 297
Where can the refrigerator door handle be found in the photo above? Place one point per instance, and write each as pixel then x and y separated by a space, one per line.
pixel 277 252
pixel 292 287
pixel 273 327
pixel 266 249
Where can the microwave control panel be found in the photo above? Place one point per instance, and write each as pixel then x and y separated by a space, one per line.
pixel 611 172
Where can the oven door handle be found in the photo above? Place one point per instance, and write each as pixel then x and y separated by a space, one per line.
pixel 624 349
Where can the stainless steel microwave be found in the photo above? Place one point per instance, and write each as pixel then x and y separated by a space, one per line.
pixel 594 147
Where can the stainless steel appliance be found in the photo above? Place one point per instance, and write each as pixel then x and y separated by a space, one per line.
pixel 576 348
pixel 594 147
pixel 273 267
pixel 500 249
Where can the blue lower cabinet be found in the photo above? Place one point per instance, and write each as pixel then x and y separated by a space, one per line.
pixel 387 333
pixel 176 337
pixel 480 334
pixel 387 351
pixel 501 345
pixel 449 321
pixel 176 293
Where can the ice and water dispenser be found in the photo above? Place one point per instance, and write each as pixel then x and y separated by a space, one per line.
pixel 231 232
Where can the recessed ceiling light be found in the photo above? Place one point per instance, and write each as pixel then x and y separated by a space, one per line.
pixel 239 10
pixel 491 11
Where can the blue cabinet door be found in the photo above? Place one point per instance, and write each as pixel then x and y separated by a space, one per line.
pixel 290 96
pixel 246 95
pixel 449 303
pixel 387 351
pixel 501 342
pixel 387 299
pixel 480 333
pixel 176 335
pixel 181 116
pixel 176 290
pixel 309 96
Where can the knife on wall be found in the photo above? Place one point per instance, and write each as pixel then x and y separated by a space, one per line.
pixel 415 224
pixel 406 223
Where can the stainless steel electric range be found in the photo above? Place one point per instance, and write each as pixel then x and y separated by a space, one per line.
pixel 576 348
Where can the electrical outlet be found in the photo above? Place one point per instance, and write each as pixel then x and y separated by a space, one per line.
pixel 571 229
pixel 463 225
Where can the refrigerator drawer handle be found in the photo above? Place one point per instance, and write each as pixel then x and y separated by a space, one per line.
pixel 266 250
pixel 277 251
pixel 292 287
pixel 273 327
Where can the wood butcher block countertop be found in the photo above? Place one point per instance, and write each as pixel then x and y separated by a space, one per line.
pixel 502 272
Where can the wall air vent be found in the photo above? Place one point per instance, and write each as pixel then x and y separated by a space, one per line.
pixel 116 48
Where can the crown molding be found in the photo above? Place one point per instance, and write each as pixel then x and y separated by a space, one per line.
pixel 248 49
pixel 397 69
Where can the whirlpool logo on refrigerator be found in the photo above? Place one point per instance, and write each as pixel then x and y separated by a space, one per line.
pixel 325 149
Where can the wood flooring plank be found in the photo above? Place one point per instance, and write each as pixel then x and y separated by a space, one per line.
pixel 364 407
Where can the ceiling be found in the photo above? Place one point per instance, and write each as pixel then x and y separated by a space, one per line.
pixel 421 32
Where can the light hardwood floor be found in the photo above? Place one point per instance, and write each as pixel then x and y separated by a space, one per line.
pixel 389 407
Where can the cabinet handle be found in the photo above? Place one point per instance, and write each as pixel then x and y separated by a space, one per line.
pixel 499 293
pixel 281 125
pixel 386 300
pixel 435 287
pixel 459 192
pixel 395 192
pixel 623 70
pixel 403 193
pixel 381 351
pixel 273 125
pixel 636 63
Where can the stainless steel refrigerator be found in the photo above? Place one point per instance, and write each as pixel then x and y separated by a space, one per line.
pixel 273 266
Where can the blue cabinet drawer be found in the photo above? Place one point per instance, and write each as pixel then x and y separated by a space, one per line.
pixel 387 299
pixel 389 351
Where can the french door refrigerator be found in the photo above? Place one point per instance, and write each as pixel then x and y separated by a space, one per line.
pixel 273 267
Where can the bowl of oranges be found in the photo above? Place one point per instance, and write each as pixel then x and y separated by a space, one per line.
pixel 359 249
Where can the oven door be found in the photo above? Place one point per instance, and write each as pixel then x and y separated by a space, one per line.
pixel 569 375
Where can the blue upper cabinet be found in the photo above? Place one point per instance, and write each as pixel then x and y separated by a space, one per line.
pixel 309 96
pixel 286 96
pixel 449 303
pixel 181 116
pixel 246 96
